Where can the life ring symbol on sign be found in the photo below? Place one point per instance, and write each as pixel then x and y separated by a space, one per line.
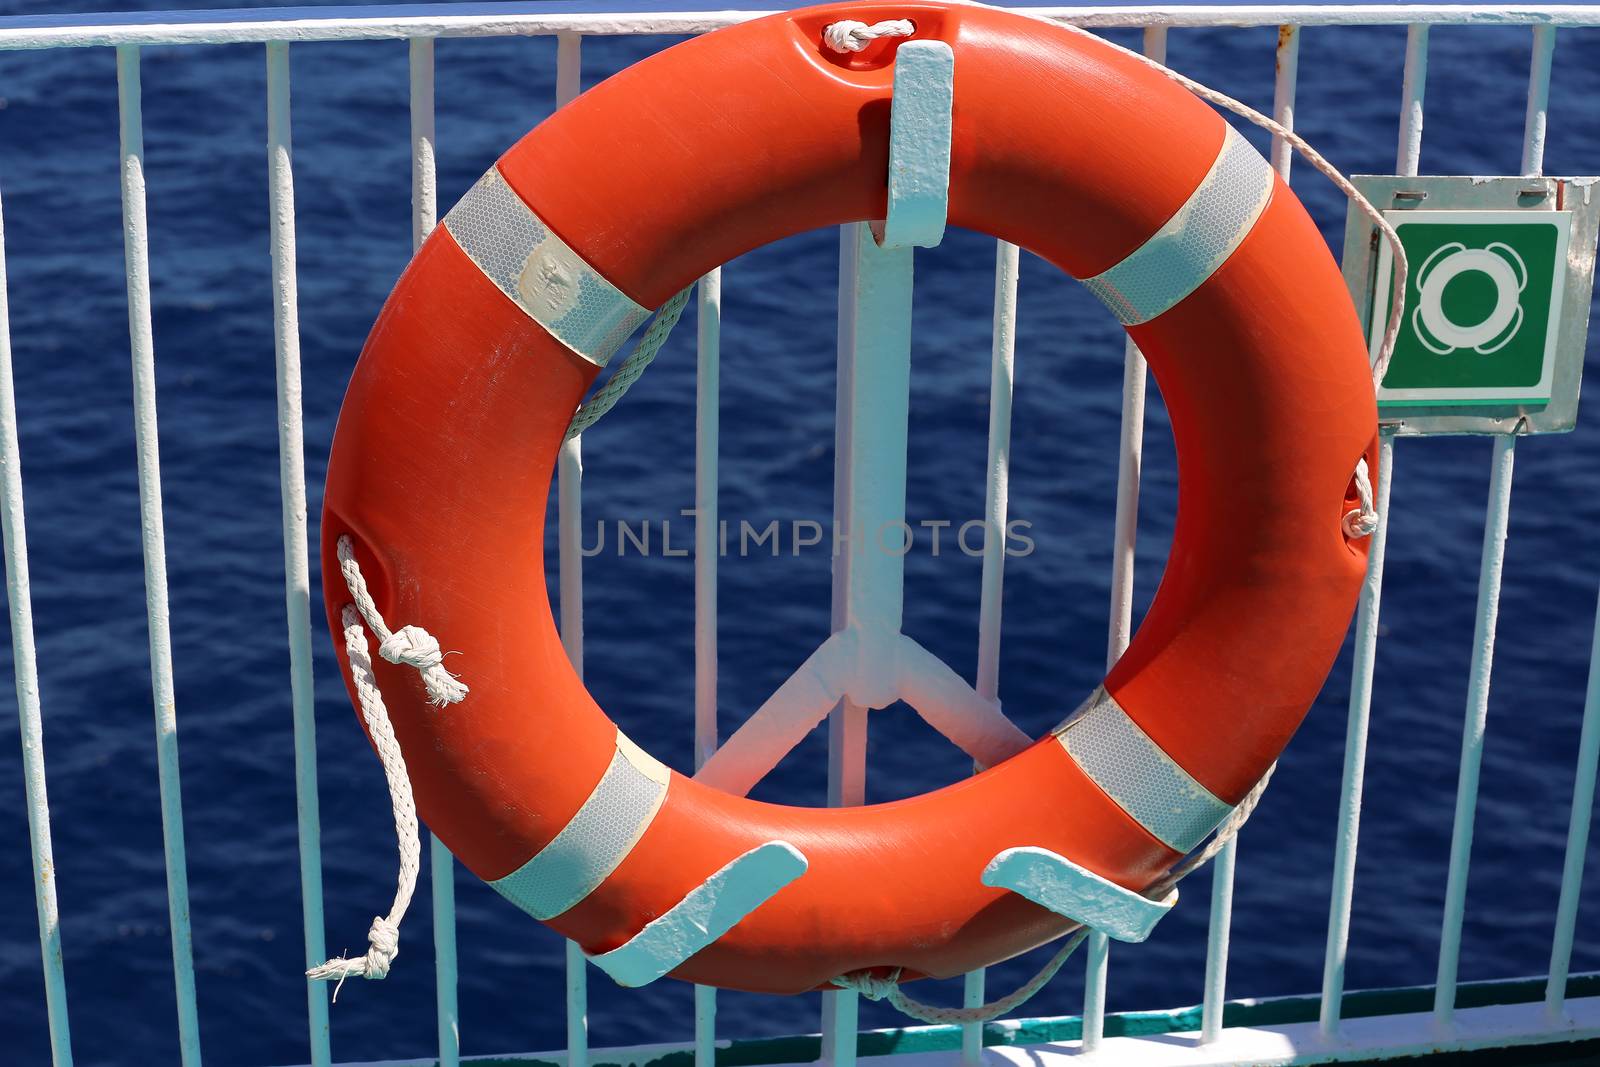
pixel 1434 327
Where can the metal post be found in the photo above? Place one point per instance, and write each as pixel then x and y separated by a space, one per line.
pixel 1413 89
pixel 707 442
pixel 1284 84
pixel 1555 994
pixel 1494 547
pixel 569 504
pixel 297 567
pixel 1002 377
pixel 847 725
pixel 441 864
pixel 1285 80
pixel 1494 541
pixel 1217 942
pixel 1536 119
pixel 19 598
pixel 1364 657
pixel 1097 948
pixel 136 251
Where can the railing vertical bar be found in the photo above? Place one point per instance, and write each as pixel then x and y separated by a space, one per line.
pixel 569 505
pixel 1476 722
pixel 1130 458
pixel 1494 540
pixel 1364 656
pixel 424 165
pixel 1217 942
pixel 707 443
pixel 1413 90
pixel 1346 840
pixel 441 864
pixel 297 567
pixel 1555 993
pixel 1097 948
pixel 847 726
pixel 136 251
pixel 442 875
pixel 708 435
pixel 1537 118
pixel 1002 364
pixel 25 666
pixel 1285 81
pixel 972 996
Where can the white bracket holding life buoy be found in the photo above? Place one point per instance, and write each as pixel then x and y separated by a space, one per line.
pixel 710 910
pixel 1055 882
pixel 919 146
pixel 868 662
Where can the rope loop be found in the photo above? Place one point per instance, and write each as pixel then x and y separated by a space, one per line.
pixel 643 354
pixel 851 36
pixel 888 988
pixel 413 647
pixel 1362 521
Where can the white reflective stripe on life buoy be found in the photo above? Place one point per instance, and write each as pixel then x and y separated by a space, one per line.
pixel 540 273
pixel 1138 775
pixel 1183 254
pixel 596 841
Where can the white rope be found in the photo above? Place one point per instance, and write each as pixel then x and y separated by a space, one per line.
pixel 416 648
pixel 411 646
pixel 1365 521
pixel 888 988
pixel 852 36
pixel 1391 333
pixel 1362 521
pixel 655 335
pixel 1220 837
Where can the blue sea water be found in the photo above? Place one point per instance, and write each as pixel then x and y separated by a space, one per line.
pixel 205 129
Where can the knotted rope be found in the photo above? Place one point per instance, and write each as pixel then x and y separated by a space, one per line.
pixel 1363 520
pixel 415 648
pixel 851 36
pixel 411 646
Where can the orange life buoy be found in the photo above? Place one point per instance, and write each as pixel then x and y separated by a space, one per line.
pixel 501 322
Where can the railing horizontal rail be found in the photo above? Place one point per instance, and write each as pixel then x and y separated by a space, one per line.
pixel 543 17
pixel 1258 1012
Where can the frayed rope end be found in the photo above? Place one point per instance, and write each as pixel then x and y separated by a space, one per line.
pixel 383 946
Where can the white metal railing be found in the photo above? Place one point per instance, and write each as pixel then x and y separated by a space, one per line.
pixel 276 30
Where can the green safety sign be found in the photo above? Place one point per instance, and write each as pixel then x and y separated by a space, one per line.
pixel 1482 306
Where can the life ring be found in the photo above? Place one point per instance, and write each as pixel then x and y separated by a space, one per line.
pixel 449 433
